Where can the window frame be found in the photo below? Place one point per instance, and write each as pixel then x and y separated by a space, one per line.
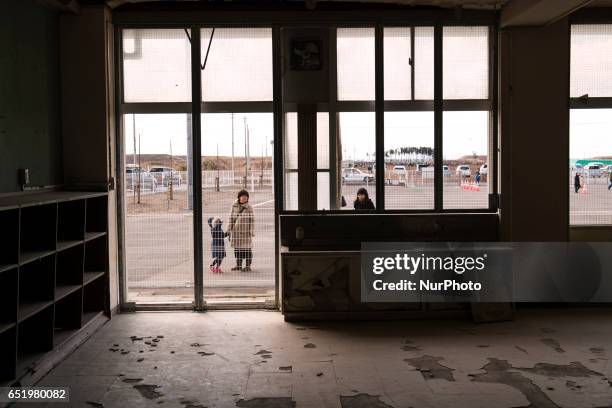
pixel 438 106
pixel 334 106
pixel 194 108
pixel 585 17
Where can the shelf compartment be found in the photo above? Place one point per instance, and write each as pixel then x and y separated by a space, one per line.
pixel 6 326
pixel 89 316
pixel 7 267
pixel 64 245
pixel 69 270
pixel 9 239
pixel 94 298
pixel 71 220
pixel 67 315
pixel 31 256
pixel 36 286
pixel 34 340
pixel 65 290
pixel 89 277
pixel 93 235
pixel 96 214
pixel 38 231
pixel 31 308
pixel 96 259
pixel 8 296
pixel 8 351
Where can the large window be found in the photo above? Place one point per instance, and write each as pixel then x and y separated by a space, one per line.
pixel 590 162
pixel 355 56
pixel 434 154
pixel 160 57
pixel 409 118
pixel 239 64
pixel 356 131
pixel 160 164
pixel 465 153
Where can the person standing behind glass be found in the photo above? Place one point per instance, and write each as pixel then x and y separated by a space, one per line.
pixel 241 230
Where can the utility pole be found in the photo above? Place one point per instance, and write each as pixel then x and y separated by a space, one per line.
pixel 134 154
pixel 232 144
pixel 170 183
pixel 190 174
pixel 246 152
pixel 261 168
pixel 139 177
pixel 217 166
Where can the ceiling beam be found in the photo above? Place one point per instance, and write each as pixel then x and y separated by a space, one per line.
pixel 538 12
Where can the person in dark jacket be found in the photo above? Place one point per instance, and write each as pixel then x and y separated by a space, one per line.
pixel 577 182
pixel 217 244
pixel 363 202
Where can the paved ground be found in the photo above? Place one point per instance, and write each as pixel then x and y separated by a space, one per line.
pixel 544 359
pixel 593 205
pixel 160 246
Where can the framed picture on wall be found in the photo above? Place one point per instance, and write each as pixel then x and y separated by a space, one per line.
pixel 305 55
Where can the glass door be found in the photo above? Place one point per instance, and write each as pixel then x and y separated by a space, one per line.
pixel 237 166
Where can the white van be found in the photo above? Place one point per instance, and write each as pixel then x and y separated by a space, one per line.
pixel 463 170
pixel 593 170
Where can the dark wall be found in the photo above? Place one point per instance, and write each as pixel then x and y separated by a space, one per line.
pixel 534 78
pixel 30 133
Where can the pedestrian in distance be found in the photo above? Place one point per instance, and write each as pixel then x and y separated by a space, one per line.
pixel 363 202
pixel 577 183
pixel 217 245
pixel 241 231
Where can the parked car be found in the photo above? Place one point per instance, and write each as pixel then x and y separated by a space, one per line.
pixel 463 170
pixel 135 175
pixel 354 175
pixel 484 169
pixel 163 174
pixel 399 169
pixel 607 169
pixel 428 171
pixel 593 170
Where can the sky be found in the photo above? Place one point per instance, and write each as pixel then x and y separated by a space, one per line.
pixel 239 68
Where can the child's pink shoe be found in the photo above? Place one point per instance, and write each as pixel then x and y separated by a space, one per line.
pixel 212 268
pixel 219 270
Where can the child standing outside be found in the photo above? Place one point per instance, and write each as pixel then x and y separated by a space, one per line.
pixel 218 243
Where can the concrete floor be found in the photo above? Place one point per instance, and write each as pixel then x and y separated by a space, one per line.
pixel 551 358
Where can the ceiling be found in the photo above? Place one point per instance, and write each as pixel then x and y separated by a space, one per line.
pixel 472 4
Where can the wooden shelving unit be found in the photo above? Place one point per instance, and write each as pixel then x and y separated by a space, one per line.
pixel 53 273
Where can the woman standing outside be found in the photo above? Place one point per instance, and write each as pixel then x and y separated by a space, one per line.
pixel 241 231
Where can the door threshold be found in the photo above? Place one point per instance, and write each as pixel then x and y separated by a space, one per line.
pixel 240 305
pixel 209 305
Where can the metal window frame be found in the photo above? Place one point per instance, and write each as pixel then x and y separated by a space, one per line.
pixel 194 108
pixel 587 17
pixel 438 106
pixel 331 19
